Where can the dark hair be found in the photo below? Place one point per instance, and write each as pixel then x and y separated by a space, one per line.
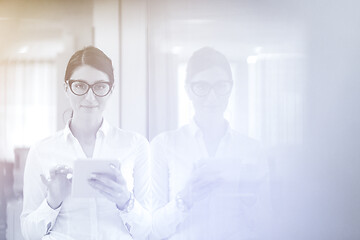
pixel 93 57
pixel 205 58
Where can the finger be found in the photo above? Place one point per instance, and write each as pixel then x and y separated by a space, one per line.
pixel 59 169
pixel 63 169
pixel 202 192
pixel 69 176
pixel 63 172
pixel 106 181
pixel 204 188
pixel 98 185
pixel 44 180
pixel 202 180
pixel 115 197
pixel 103 176
pixel 52 172
pixel 210 176
pixel 207 171
pixel 60 166
pixel 119 177
pixel 104 188
pixel 210 182
pixel 212 179
pixel 107 195
pixel 201 195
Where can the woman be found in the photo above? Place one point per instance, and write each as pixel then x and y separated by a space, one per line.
pixel 49 210
pixel 208 180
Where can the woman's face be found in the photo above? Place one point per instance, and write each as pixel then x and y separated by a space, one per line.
pixel 87 105
pixel 209 92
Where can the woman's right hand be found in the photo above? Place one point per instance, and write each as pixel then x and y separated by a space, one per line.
pixel 58 185
pixel 203 180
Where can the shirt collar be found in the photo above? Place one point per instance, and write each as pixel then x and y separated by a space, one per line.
pixel 195 130
pixel 67 131
pixel 104 129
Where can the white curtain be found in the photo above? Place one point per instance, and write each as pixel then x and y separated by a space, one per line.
pixel 276 98
pixel 27 104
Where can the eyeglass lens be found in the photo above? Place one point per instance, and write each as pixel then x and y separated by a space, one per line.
pixel 80 88
pixel 220 88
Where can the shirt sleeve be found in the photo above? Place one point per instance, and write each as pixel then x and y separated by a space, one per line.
pixel 259 178
pixel 165 220
pixel 165 214
pixel 37 217
pixel 265 209
pixel 138 219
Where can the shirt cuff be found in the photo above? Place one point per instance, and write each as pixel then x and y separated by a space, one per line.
pixel 166 219
pixel 49 214
pixel 135 219
pixel 179 214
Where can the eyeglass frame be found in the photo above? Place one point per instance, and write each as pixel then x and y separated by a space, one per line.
pixel 90 86
pixel 211 88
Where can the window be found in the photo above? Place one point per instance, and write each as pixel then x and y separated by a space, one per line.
pixel 276 98
pixel 28 104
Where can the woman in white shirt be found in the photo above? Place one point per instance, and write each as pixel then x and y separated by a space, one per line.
pixel 49 210
pixel 208 181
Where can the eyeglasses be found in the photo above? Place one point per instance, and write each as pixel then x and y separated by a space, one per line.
pixel 201 88
pixel 80 87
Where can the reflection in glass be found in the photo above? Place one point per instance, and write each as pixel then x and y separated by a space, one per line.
pixel 208 181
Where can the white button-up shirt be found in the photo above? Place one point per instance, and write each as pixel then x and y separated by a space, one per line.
pixel 237 209
pixel 89 218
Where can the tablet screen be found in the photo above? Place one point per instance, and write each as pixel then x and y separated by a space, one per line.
pixel 83 168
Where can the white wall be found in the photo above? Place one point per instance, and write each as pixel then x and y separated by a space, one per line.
pixel 106 34
pixel 134 93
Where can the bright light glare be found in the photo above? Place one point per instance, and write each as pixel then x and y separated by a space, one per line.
pixel 251 59
pixel 23 49
pixel 176 50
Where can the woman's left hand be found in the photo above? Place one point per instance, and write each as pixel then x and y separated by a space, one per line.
pixel 112 186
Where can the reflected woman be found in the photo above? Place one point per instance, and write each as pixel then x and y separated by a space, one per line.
pixel 208 181
pixel 49 210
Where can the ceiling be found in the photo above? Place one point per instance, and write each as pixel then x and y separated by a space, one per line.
pixel 40 29
pixel 239 28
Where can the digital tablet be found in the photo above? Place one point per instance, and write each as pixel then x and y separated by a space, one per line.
pixel 236 169
pixel 82 170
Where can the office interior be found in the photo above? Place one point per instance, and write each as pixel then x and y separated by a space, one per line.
pixel 296 90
